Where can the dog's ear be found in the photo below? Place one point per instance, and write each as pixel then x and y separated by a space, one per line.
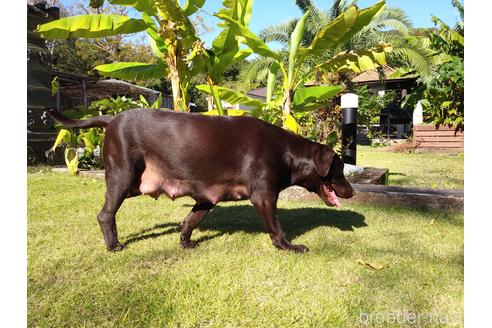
pixel 322 158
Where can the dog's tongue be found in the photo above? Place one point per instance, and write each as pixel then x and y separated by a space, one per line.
pixel 331 196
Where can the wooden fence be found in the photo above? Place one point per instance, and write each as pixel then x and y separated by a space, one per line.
pixel 427 136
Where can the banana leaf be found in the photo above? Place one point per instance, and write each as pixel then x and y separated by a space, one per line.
pixel 250 39
pixel 55 85
pixel 91 26
pixel 341 29
pixel 133 70
pixel 239 10
pixel 157 44
pixel 290 124
pixel 158 102
pixel 232 97
pixel 144 6
pixel 225 46
pixel 295 42
pixel 242 54
pixel 357 61
pixel 309 98
pixel 272 75
pixel 192 6
pixel 72 161
pixel 62 135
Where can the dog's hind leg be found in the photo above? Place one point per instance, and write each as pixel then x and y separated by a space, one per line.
pixel 118 186
pixel 197 213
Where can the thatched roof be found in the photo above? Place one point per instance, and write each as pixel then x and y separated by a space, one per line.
pixel 373 75
pixel 72 85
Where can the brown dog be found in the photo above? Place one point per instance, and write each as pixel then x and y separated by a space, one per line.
pixel 211 159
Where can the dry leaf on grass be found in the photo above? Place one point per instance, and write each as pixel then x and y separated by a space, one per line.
pixel 372 266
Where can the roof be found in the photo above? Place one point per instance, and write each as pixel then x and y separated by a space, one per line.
pixel 372 75
pixel 260 92
pixel 71 85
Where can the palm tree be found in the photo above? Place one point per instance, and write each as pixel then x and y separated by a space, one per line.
pixel 391 26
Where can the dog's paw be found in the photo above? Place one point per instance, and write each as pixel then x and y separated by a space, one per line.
pixel 188 244
pixel 298 249
pixel 116 248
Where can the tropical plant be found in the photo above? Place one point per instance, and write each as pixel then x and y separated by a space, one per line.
pixel 296 98
pixel 390 26
pixel 442 97
pixel 84 147
pixel 179 53
pixel 81 55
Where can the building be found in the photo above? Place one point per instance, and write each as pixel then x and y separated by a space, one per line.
pixel 394 121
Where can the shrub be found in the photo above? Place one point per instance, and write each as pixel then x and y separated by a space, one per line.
pixel 84 147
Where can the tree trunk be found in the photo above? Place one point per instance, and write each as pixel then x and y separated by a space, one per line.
pixel 215 95
pixel 174 77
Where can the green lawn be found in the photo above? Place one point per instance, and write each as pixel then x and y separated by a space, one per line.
pixel 426 170
pixel 235 278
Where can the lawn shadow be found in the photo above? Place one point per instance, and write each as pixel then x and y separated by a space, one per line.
pixel 243 218
pixel 153 232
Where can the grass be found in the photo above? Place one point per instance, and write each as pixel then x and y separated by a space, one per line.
pixel 235 278
pixel 425 170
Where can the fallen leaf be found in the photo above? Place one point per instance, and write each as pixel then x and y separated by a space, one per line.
pixel 373 266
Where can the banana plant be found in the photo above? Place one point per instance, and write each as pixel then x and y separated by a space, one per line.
pixel 179 53
pixel 225 49
pixel 171 35
pixel 296 97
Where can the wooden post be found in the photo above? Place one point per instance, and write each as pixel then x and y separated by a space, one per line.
pixel 58 105
pixel 84 94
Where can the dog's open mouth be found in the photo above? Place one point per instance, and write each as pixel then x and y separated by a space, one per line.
pixel 329 197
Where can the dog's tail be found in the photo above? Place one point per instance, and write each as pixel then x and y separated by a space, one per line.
pixel 93 122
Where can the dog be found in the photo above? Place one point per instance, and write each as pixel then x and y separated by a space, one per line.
pixel 211 159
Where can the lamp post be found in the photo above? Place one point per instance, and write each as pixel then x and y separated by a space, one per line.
pixel 349 104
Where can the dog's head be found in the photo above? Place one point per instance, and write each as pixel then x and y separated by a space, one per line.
pixel 328 180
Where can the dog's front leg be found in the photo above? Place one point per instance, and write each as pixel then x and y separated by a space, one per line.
pixel 266 207
pixel 197 213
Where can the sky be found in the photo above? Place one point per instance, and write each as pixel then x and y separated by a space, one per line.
pixel 270 12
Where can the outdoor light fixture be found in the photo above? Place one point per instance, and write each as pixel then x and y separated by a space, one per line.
pixel 80 152
pixel 97 153
pixel 349 104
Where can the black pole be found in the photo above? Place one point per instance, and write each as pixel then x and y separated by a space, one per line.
pixel 349 134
